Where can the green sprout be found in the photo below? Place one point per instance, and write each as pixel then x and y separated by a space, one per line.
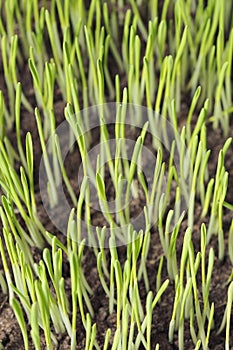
pixel 175 58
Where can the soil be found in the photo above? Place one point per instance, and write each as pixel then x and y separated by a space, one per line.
pixel 10 334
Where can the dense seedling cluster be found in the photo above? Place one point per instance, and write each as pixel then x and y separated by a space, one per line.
pixel 173 57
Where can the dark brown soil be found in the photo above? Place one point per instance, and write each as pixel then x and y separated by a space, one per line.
pixel 10 334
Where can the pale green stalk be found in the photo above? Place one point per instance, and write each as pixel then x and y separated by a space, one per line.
pixel 2 118
pixel 211 316
pixel 111 32
pixel 20 318
pixel 154 303
pixel 106 339
pixel 200 324
pixel 139 20
pixel 45 316
pixel 186 292
pixel 6 271
pixel 51 186
pixel 230 244
pixel 144 254
pixel 228 315
pixel 35 326
pixel 51 25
